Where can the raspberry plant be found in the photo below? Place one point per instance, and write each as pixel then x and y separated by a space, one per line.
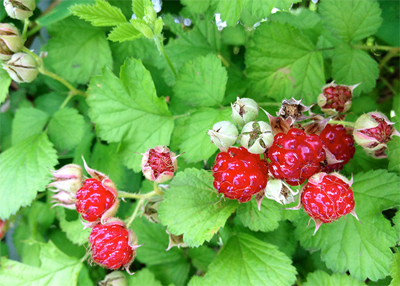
pixel 205 124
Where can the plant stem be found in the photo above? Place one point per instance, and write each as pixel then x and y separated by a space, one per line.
pixel 395 92
pixel 344 123
pixel 33 31
pixel 181 115
pixel 130 220
pixel 26 24
pixel 223 60
pixel 394 52
pixel 377 47
pixel 44 71
pixel 122 194
pixel 160 47
pixel 67 99
pixel 84 257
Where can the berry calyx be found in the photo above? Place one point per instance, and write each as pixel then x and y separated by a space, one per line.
pixel 93 200
pixel 327 197
pixel 339 144
pixel 112 245
pixel 239 174
pixel 159 164
pixel 295 156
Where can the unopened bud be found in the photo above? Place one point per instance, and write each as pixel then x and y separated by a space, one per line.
pixel 10 41
pixel 159 164
pixel 19 9
pixel 244 110
pixel 257 136
pixel 224 134
pixel 115 278
pixel 22 67
pixel 336 98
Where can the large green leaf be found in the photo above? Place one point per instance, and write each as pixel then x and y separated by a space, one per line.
pixel 192 208
pixel 395 270
pixel 362 248
pixel 201 82
pixel 25 170
pixel 324 279
pixel 245 260
pixel 196 6
pixel 262 8
pixel 394 155
pixel 128 110
pixel 230 10
pixel 142 277
pixel 100 14
pixel 5 81
pixel 191 135
pixel 282 63
pixel 56 269
pixel 351 20
pixel 72 226
pixel 77 50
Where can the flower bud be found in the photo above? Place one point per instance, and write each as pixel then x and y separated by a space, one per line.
pixel 373 131
pixel 224 134
pixel 22 67
pixel 150 15
pixel 336 98
pixel 10 41
pixel 257 136
pixel 292 110
pixel 3 228
pixel 19 9
pixel 279 191
pixel 244 110
pixel 159 164
pixel 115 278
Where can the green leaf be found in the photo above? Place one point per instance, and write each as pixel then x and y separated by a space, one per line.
pixel 363 162
pixel 396 221
pixel 281 63
pixel 28 121
pixel 59 12
pixel 196 6
pixel 176 273
pixel 389 31
pixel 394 155
pixel 363 249
pixel 138 7
pixel 351 20
pixel 66 128
pixel 51 102
pixel 191 133
pixel 124 32
pixel 283 237
pixel 191 207
pixel 5 81
pixel 77 50
pixel 56 269
pixel 196 281
pixel 265 220
pixel 25 170
pixel 230 11
pixel 324 279
pixel 72 225
pixel 201 257
pixel 262 8
pixel 6 120
pixel 59 238
pixel 351 66
pixel 129 110
pixel 100 14
pixel 245 260
pixel 201 82
pixel 395 270
pixel 142 277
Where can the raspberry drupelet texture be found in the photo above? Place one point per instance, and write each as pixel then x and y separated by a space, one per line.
pixel 93 200
pixel 337 97
pixel 159 164
pixel 339 144
pixel 110 245
pixel 239 174
pixel 295 156
pixel 327 197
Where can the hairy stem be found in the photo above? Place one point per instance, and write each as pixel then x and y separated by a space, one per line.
pixel 160 46
pixel 132 218
pixel 127 195
pixel 26 24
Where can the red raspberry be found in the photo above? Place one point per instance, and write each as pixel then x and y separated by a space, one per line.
pixel 295 156
pixel 340 144
pixel 239 174
pixel 93 200
pixel 159 164
pixel 3 228
pixel 110 245
pixel 326 198
pixel 381 133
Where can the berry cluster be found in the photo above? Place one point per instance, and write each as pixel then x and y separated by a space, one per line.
pixel 294 148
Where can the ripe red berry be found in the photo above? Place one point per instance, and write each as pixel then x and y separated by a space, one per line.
pixel 337 96
pixel 239 174
pixel 3 228
pixel 111 245
pixel 93 200
pixel 295 156
pixel 327 197
pixel 159 164
pixel 339 144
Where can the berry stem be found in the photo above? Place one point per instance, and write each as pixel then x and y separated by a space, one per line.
pixel 122 194
pixel 33 31
pixel 344 123
pixel 374 47
pixel 85 257
pixel 131 219
pixel 160 46
pixel 26 24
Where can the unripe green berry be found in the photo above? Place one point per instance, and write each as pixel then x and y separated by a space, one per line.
pixel 257 136
pixel 244 110
pixel 10 41
pixel 224 134
pixel 19 9
pixel 22 67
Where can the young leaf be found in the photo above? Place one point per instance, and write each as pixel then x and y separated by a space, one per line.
pixel 324 279
pixel 25 170
pixel 201 82
pixel 138 7
pixel 191 207
pixel 66 128
pixel 56 269
pixel 124 32
pixel 100 14
pixel 363 249
pixel 265 220
pixel 282 63
pixel 142 277
pixel 245 260
pixel 28 121
pixel 230 11
pixel 351 20
pixel 129 110
pixel 77 50
pixel 5 81
pixel 395 270
pixel 191 133
pixel 73 228
pixel 351 66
